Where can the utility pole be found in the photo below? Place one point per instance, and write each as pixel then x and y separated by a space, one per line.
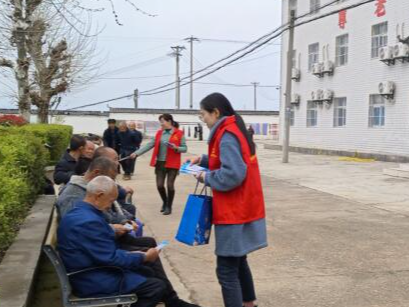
pixel 255 84
pixel 191 40
pixel 136 98
pixel 287 115
pixel 177 53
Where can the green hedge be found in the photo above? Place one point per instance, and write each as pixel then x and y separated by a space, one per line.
pixel 23 158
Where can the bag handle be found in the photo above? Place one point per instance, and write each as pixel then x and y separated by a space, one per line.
pixel 201 192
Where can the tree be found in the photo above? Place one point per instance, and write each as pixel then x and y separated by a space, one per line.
pixel 48 47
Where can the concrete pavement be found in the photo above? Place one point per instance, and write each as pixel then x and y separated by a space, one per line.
pixel 338 234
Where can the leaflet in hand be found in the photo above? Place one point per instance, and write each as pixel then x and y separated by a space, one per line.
pixel 162 245
pixel 192 169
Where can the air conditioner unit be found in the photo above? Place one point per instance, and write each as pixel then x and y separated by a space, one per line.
pixel 296 74
pixel 314 96
pixel 328 68
pixel 317 69
pixel 328 95
pixel 387 89
pixel 401 51
pixel 320 95
pixel 295 99
pixel 386 54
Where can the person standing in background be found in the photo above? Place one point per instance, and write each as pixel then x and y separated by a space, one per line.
pixel 139 137
pixel 110 137
pixel 129 143
pixel 168 144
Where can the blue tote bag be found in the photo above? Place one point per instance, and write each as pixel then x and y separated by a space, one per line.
pixel 196 223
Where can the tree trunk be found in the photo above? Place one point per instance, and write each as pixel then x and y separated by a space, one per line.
pixel 43 111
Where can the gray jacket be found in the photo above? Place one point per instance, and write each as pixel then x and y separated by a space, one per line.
pixel 76 190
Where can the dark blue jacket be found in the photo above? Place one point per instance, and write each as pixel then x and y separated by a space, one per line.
pixel 111 138
pixel 64 169
pixel 85 240
pixel 130 140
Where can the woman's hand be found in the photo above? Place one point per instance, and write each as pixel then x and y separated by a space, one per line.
pixel 194 160
pixel 133 156
pixel 201 177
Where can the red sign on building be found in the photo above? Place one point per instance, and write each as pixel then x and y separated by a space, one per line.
pixel 380 8
pixel 342 19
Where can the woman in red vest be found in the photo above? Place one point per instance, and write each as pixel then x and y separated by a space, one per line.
pixel 238 202
pixel 168 145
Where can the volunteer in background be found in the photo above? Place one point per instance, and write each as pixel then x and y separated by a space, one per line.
pixel 168 145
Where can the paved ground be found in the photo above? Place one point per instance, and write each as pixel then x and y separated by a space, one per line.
pixel 338 234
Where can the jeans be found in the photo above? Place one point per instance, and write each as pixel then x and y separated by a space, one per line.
pixel 235 278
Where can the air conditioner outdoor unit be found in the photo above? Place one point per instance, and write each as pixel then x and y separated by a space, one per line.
pixel 313 96
pixel 296 74
pixel 386 54
pixel 387 89
pixel 295 99
pixel 401 51
pixel 317 69
pixel 328 95
pixel 328 68
pixel 320 95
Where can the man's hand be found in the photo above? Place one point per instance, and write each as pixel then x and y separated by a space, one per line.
pixel 151 255
pixel 134 225
pixel 133 156
pixel 193 160
pixel 119 229
pixel 128 190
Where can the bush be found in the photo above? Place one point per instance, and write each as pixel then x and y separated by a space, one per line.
pixel 57 137
pixel 12 120
pixel 23 158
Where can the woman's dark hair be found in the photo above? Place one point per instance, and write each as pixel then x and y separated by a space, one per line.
pixel 220 102
pixel 77 141
pixel 169 118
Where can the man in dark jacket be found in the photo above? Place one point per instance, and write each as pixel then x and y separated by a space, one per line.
pixel 130 141
pixel 110 137
pixel 86 241
pixel 139 136
pixel 65 168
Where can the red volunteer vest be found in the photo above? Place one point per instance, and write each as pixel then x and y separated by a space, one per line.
pixel 173 158
pixel 245 203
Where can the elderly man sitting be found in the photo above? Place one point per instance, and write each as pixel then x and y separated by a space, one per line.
pixel 85 240
pixel 70 199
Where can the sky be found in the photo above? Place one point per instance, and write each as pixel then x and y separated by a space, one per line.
pixel 132 56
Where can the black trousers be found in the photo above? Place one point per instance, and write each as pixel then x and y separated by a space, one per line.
pixel 150 293
pixel 129 164
pixel 155 269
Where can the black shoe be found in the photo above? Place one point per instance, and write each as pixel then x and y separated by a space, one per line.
pixel 168 210
pixel 181 303
pixel 163 207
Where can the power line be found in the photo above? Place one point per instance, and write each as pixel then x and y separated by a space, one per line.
pixel 149 92
pixel 238 85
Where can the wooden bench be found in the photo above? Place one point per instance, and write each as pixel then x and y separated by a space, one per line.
pixel 68 299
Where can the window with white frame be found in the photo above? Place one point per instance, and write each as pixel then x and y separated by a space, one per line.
pixel 313 55
pixel 379 38
pixel 293 6
pixel 314 6
pixel 341 50
pixel 312 114
pixel 376 111
pixel 340 112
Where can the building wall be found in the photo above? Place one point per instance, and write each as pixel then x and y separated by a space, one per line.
pixel 356 81
pixel 97 123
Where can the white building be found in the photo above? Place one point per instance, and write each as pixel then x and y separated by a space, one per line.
pixel 338 58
